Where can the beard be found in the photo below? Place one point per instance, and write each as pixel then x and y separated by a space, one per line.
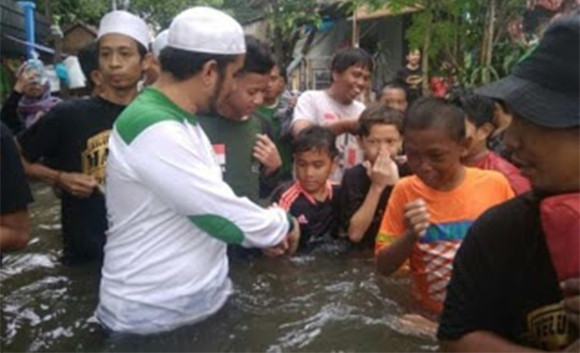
pixel 214 98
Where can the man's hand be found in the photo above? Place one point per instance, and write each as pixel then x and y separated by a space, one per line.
pixel 294 237
pixel 384 172
pixel 416 218
pixel 78 184
pixel 571 289
pixel 265 152
pixel 289 245
pixel 277 250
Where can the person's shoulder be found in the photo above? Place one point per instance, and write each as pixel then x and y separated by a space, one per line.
pixel 511 216
pixel 69 107
pixel 311 95
pixel 502 164
pixel 286 194
pixel 486 177
pixel 355 173
pixel 149 108
pixel 359 106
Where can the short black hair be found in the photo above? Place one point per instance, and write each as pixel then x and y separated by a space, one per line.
pixel 282 71
pixel 348 57
pixel 315 137
pixel 478 109
pixel 183 64
pixel 392 85
pixel 378 114
pixel 89 60
pixel 428 112
pixel 259 59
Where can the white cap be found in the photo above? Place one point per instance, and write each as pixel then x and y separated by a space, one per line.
pixel 123 22
pixel 206 30
pixel 159 42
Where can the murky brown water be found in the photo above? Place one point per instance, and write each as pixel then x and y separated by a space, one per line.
pixel 321 303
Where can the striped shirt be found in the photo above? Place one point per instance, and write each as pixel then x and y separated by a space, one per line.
pixel 451 214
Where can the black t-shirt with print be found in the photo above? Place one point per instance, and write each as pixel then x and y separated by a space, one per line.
pixel 504 282
pixel 355 187
pixel 412 80
pixel 73 137
pixel 317 219
pixel 15 193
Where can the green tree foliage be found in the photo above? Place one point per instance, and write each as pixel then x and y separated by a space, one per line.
pixel 287 21
pixel 466 37
pixel 156 12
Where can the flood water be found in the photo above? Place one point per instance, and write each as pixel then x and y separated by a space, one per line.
pixel 320 302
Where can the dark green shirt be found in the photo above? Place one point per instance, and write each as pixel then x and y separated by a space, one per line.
pixel 282 144
pixel 233 143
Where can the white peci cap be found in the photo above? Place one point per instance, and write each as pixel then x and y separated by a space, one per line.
pixel 123 22
pixel 159 42
pixel 206 30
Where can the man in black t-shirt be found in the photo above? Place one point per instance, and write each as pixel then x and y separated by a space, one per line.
pixel 508 291
pixel 14 195
pixel 72 138
pixel 411 76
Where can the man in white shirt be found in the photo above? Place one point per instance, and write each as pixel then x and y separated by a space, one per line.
pixel 171 215
pixel 336 107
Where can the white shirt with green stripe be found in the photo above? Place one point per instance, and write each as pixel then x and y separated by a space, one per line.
pixel 170 217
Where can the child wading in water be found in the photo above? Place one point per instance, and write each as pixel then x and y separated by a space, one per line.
pixel 311 198
pixel 367 186
pixel 429 213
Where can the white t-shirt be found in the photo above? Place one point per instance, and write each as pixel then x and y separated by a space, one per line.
pixel 170 216
pixel 320 109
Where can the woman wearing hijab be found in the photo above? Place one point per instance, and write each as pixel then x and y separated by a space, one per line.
pixel 30 99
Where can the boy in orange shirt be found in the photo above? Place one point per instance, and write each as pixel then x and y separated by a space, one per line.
pixel 428 214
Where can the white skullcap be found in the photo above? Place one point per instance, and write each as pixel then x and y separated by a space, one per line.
pixel 159 42
pixel 206 30
pixel 123 22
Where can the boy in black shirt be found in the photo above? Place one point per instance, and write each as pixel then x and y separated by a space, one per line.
pixel 366 187
pixel 73 136
pixel 411 76
pixel 311 199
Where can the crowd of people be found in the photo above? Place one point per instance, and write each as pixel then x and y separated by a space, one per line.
pixel 189 150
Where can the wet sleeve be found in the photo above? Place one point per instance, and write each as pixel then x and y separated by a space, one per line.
pixel 305 109
pixel 14 190
pixel 474 294
pixel 42 138
pixel 392 225
pixel 176 168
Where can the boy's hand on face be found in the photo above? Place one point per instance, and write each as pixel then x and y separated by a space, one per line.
pixel 384 172
pixel 416 218
pixel 265 152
